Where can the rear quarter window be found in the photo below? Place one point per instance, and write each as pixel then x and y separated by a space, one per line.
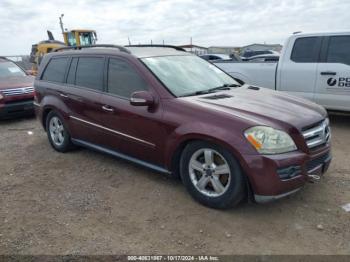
pixel 55 70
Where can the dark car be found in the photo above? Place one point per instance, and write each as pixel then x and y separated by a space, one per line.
pixel 16 90
pixel 173 112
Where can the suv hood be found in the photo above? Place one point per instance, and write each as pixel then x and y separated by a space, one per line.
pixel 263 106
pixel 15 82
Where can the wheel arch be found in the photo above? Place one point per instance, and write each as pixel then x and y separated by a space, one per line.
pixel 51 103
pixel 176 156
pixel 175 150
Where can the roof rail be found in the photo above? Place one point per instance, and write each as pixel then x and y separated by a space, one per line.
pixel 121 48
pixel 165 46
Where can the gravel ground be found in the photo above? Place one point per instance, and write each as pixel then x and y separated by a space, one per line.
pixel 85 202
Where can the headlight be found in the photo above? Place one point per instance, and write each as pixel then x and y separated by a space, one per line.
pixel 267 140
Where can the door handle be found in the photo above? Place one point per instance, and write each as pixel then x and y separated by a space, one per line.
pixel 108 108
pixel 328 73
pixel 63 95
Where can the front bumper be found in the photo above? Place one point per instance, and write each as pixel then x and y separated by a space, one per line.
pixel 267 177
pixel 16 109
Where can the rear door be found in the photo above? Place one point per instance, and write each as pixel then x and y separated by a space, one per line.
pixel 333 74
pixel 297 71
pixel 82 95
pixel 52 80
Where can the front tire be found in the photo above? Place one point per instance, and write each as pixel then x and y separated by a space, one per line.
pixel 212 175
pixel 57 132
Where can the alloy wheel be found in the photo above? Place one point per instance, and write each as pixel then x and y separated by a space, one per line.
pixel 56 130
pixel 209 172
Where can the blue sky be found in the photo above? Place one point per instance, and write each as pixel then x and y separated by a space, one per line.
pixel 208 22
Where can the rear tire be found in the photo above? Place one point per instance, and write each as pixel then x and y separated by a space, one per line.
pixel 57 132
pixel 212 175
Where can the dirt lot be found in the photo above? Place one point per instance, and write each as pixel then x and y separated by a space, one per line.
pixel 89 203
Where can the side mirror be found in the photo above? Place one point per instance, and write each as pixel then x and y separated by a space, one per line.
pixel 142 98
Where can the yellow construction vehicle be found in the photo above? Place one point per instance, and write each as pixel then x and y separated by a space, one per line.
pixel 40 49
pixel 76 37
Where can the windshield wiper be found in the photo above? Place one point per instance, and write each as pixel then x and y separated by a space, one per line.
pixel 223 87
pixel 211 90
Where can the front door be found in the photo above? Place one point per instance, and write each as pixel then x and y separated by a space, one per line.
pixel 135 130
pixel 333 74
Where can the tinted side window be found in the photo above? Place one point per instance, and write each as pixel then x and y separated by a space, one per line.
pixel 72 70
pixel 55 70
pixel 306 50
pixel 123 80
pixel 339 50
pixel 89 72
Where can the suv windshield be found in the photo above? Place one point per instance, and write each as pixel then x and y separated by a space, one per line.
pixel 188 75
pixel 9 69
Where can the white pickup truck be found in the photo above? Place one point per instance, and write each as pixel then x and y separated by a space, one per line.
pixel 314 66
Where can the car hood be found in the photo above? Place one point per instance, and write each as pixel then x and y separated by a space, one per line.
pixel 15 82
pixel 263 106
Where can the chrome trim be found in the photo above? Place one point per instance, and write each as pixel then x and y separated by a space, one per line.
pixel 113 131
pixel 120 155
pixel 36 104
pixel 315 168
pixel 137 100
pixel 292 178
pixel 265 199
pixel 109 109
pixel 63 95
pixel 318 135
pixel 18 91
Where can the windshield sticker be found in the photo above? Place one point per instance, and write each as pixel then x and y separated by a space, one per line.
pixel 14 69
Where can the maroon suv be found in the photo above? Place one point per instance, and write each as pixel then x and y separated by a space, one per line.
pixel 171 111
pixel 16 90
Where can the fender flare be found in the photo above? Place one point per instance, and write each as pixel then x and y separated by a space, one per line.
pixel 51 102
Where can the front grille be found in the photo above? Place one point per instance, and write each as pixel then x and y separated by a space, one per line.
pixel 18 91
pixel 312 164
pixel 318 134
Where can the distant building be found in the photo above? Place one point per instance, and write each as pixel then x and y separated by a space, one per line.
pixel 261 47
pixel 195 49
pixel 223 50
